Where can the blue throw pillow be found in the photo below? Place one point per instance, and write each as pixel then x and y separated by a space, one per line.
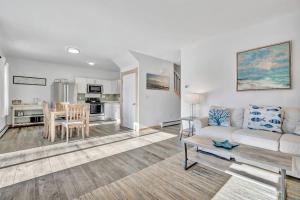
pixel 219 116
pixel 267 118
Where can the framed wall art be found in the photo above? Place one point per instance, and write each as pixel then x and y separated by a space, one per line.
pixel 25 80
pixel 157 82
pixel 265 68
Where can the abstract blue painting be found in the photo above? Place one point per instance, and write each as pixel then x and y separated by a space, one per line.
pixel 265 68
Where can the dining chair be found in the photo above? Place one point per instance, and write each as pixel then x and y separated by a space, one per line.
pixel 75 118
pixel 61 106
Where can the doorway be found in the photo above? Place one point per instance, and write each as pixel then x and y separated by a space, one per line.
pixel 129 99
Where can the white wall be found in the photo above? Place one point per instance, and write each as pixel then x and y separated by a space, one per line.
pixel 51 71
pixel 210 66
pixel 156 106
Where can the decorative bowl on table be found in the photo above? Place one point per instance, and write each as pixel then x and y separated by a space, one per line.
pixel 224 144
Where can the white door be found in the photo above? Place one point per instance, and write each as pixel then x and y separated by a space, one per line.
pixel 129 100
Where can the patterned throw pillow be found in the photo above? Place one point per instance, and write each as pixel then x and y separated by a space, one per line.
pixel 219 116
pixel 267 118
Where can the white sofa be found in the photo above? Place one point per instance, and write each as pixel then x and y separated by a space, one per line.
pixel 286 142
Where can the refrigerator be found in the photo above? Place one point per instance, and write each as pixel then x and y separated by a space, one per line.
pixel 63 92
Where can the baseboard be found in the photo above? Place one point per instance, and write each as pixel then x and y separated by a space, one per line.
pixel 170 123
pixel 3 131
pixel 150 127
pixel 148 130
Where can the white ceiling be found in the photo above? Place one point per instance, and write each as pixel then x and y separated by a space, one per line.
pixel 106 29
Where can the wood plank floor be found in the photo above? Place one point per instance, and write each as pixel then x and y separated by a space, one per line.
pixel 107 175
pixel 16 139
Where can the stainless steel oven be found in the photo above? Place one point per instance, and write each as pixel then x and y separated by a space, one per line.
pixel 94 89
pixel 96 107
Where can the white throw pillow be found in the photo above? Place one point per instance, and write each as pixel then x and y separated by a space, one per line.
pixel 267 118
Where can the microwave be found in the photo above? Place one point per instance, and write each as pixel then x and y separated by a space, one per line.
pixel 94 89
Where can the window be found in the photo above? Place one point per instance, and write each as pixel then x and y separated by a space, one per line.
pixel 4 88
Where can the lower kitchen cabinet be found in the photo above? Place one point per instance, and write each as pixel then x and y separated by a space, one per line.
pixel 107 110
pixel 115 111
pixel 112 110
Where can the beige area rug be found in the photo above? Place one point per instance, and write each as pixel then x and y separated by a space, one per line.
pixel 261 186
pixel 240 189
pixel 168 180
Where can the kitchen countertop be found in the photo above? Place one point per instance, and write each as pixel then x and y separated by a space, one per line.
pixel 110 101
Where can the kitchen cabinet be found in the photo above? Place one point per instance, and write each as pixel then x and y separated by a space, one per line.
pixel 107 111
pixel 106 87
pixel 115 87
pixel 115 111
pixel 81 85
pixel 112 110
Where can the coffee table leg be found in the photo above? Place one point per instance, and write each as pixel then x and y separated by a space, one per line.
pixel 186 166
pixel 282 184
pixel 181 130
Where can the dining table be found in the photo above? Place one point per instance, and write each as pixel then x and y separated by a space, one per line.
pixel 55 114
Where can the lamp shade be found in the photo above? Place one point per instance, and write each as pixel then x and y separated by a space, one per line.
pixel 194 98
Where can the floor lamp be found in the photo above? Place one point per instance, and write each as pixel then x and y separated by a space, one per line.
pixel 193 99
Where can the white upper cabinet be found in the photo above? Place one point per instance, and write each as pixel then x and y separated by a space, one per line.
pixel 107 87
pixel 81 85
pixel 115 87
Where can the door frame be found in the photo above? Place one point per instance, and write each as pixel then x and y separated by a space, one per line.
pixel 132 71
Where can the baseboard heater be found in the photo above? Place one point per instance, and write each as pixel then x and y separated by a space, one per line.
pixel 2 131
pixel 170 123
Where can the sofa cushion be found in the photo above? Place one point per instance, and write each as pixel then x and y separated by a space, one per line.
pixel 297 130
pixel 218 132
pixel 237 117
pixel 267 118
pixel 290 143
pixel 257 138
pixel 246 118
pixel 291 119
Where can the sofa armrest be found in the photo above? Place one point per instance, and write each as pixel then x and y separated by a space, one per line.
pixel 201 122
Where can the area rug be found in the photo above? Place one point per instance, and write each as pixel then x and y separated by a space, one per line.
pixel 168 180
pixel 240 189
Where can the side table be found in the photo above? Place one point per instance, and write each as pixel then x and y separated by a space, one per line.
pixel 190 130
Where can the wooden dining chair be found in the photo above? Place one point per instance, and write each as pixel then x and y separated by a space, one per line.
pixel 75 118
pixel 61 106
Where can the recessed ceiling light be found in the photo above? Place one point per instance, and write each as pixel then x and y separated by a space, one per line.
pixel 73 50
pixel 91 63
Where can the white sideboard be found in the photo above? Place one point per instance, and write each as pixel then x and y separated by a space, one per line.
pixel 25 115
